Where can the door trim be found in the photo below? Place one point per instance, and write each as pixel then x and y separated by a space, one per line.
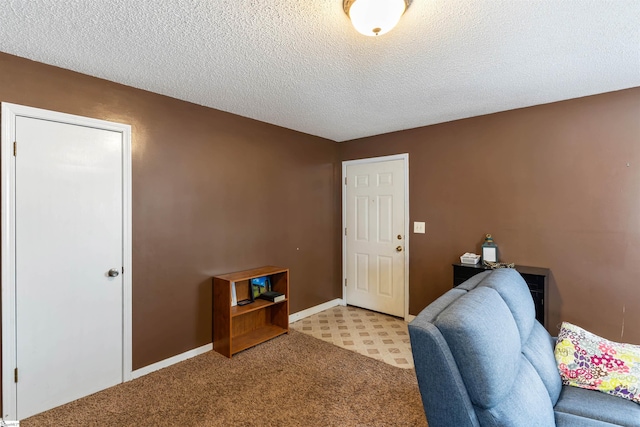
pixel 405 158
pixel 7 184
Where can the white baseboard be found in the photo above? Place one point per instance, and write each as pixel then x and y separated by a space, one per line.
pixel 314 310
pixel 208 347
pixel 171 361
pixel 409 318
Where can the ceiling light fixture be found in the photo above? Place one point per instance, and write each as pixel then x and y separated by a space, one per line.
pixel 375 17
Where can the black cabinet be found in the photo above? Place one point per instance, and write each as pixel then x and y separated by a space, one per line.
pixel 535 277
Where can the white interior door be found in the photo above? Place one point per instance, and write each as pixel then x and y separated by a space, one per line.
pixel 69 234
pixel 375 240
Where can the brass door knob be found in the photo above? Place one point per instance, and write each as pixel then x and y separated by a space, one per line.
pixel 399 249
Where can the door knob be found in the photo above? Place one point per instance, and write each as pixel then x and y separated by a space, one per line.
pixel 113 272
pixel 399 249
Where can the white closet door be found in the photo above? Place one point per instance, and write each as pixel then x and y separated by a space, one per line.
pixel 69 234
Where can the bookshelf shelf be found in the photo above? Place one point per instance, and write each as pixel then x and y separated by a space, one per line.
pixel 236 328
pixel 256 305
pixel 249 339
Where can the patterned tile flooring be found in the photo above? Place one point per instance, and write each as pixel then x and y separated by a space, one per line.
pixel 372 334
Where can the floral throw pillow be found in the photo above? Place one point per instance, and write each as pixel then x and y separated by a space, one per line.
pixel 586 360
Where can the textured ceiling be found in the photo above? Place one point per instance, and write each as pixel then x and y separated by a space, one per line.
pixel 301 65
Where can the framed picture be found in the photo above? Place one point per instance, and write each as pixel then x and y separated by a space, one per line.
pixel 260 285
pixel 489 254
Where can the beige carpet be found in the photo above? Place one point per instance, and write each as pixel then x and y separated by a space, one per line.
pixel 293 380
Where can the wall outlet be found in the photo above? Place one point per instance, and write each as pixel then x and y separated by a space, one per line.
pixel 419 227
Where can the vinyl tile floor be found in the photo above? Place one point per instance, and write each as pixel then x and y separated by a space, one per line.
pixel 372 334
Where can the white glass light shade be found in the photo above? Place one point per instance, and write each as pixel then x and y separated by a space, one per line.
pixel 376 17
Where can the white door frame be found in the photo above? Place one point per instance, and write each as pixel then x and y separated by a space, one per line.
pixel 405 158
pixel 8 227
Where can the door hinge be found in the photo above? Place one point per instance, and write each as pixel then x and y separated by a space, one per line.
pixel 345 282
pixel 345 231
pixel 122 270
pixel 15 148
pixel 345 180
pixel 15 375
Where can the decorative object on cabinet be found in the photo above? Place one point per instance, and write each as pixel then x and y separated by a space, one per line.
pixel 469 258
pixel 494 265
pixel 489 250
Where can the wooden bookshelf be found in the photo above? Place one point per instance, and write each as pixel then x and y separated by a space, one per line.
pixel 240 327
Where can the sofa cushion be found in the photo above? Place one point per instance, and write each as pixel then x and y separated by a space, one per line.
pixel 526 404
pixel 537 344
pixel 473 281
pixel 432 311
pixel 570 420
pixel 485 343
pixel 588 361
pixel 539 352
pixel 594 405
pixel 515 292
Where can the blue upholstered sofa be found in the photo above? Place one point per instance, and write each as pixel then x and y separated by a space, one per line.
pixel 482 359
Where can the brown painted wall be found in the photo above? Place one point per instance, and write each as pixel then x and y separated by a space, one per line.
pixel 557 185
pixel 212 193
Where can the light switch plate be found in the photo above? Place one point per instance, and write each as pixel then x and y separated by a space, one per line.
pixel 418 227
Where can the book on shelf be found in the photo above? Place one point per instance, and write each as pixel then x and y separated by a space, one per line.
pixel 272 296
pixel 234 298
